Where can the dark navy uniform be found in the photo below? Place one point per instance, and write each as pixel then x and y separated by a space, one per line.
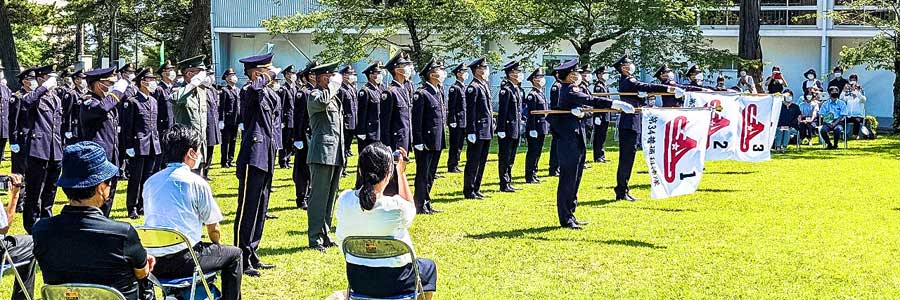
pixel 213 134
pixel 396 106
pixel 480 125
pixel 553 169
pixel 600 121
pixel 428 118
pixel 508 120
pixel 536 127
pixel 256 160
pixel 300 174
pixel 163 96
pixel 349 99
pixel 456 119
pixel 44 146
pixel 368 124
pixel 230 116
pixel 100 123
pixel 71 101
pixel 289 93
pixel 141 141
pixel 571 132
pixel 630 126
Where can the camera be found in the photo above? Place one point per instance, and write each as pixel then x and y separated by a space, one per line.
pixel 4 183
pixel 398 155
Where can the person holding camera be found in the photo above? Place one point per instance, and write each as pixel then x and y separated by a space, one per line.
pixel 20 247
pixel 776 83
pixel 369 212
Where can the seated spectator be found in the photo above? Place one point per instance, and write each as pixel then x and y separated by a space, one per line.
pixel 20 246
pixel 788 122
pixel 367 212
pixel 833 112
pixel 179 199
pixel 811 81
pixel 856 105
pixel 838 80
pixel 775 83
pixel 80 245
pixel 809 116
pixel 745 83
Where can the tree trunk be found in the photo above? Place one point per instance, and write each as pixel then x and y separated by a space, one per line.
pixel 418 56
pixel 749 48
pixel 8 48
pixel 195 40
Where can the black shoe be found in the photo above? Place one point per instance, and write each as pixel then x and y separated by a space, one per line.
pixel 533 181
pixel 423 211
pixel 573 227
pixel 302 205
pixel 207 178
pixel 454 170
pixel 133 215
pixel 434 211
pixel 263 266
pixel 249 271
pixel 272 190
pixel 507 190
pixel 344 174
pixel 472 196
pixel 554 174
pixel 320 248
pixel 586 166
pixel 582 223
pixel 626 197
pixel 329 244
pixel 514 188
pixel 438 175
pixel 601 160
pixel 482 195
pixel 271 217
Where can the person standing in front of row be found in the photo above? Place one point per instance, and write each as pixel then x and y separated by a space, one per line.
pixel 141 140
pixel 428 117
pixel 368 125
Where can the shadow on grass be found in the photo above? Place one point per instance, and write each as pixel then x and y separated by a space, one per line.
pixel 596 202
pixel 270 211
pixel 729 172
pixel 630 186
pixel 524 234
pixel 663 209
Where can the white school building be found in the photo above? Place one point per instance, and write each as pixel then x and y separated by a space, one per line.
pixel 795 45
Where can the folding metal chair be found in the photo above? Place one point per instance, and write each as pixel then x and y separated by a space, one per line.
pixel 373 247
pixel 80 291
pixel 7 263
pixel 164 237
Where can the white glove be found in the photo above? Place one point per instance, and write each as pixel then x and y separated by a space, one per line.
pixel 50 83
pixel 623 106
pixel 679 92
pixel 130 152
pixel 241 126
pixel 298 145
pixel 642 94
pixel 14 148
pixel 120 85
pixel 577 112
pixel 501 134
pixel 598 121
pixel 533 133
pixel 283 125
pixel 69 135
pixel 361 136
pixel 452 125
pixel 419 147
pixel 471 138
pixel 221 125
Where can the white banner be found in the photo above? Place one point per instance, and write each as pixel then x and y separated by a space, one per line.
pixel 759 115
pixel 724 125
pixel 674 148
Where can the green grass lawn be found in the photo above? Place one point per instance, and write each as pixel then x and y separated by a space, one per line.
pixel 806 225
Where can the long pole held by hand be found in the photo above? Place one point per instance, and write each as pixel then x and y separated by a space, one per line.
pixel 604 110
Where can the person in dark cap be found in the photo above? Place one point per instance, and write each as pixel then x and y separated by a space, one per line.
pixel 456 116
pixel 18 117
pixel 696 79
pixel 72 101
pixel 667 77
pixel 553 168
pixel 256 159
pixel 229 116
pixel 368 125
pixel 601 120
pixel 479 128
pixel 536 125
pixel 6 120
pixel 587 81
pixel 163 96
pixel 43 145
pixel 811 81
pixel 326 153
pixel 289 94
pixel 570 129
pixel 100 118
pixel 190 103
pixel 508 120
pixel 349 100
pixel 630 123
pixel 80 245
pixel 309 79
pixel 396 108
pixel 428 117
pixel 140 140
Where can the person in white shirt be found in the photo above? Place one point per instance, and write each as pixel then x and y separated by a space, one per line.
pixel 179 199
pixel 856 105
pixel 368 212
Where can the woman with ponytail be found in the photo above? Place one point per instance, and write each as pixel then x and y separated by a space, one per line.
pixel 368 212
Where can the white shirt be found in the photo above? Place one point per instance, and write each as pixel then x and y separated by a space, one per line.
pixel 176 198
pixel 856 105
pixel 391 216
pixel 3 218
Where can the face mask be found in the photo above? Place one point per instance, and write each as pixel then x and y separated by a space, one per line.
pixel 465 76
pixel 486 73
pixel 151 86
pixel 335 80
pixel 292 78
pixel 743 73
pixel 82 85
pixel 670 75
pixel 577 79
pixel 835 95
pixel 70 82
pixel 379 78
pixel 853 82
pixel 202 74
pixel 788 97
pixel 197 161
pixel 353 79
pixel 605 76
pixel 631 69
pixel 442 75
pixel 232 78
pixel 32 84
pixel 130 77
pixel 171 75
pixel 541 82
pixel 104 89
pixel 275 85
pixel 808 97
pixel 810 76
pixel 520 77
pixel 588 77
pixel 408 71
pixel 837 75
pixel 698 76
